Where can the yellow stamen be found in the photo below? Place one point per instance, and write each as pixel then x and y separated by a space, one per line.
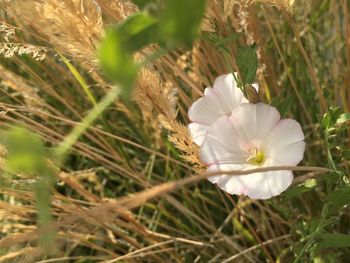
pixel 256 157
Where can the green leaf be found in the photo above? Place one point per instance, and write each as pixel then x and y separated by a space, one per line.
pixel 25 151
pixel 142 4
pixel 116 50
pixel 117 62
pixel 330 118
pixel 247 63
pixel 340 197
pixel 297 190
pixel 26 154
pixel 180 21
pixel 334 240
pixel 43 206
pixel 138 31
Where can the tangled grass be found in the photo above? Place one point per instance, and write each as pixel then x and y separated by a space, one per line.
pixel 127 191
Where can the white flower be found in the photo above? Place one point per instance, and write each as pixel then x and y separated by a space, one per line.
pixel 253 136
pixel 216 102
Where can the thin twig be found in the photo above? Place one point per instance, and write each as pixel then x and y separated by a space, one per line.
pixel 230 259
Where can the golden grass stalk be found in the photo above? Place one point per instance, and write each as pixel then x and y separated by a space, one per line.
pixel 23 89
pixel 72 26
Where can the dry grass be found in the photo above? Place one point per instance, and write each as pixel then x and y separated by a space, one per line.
pixel 114 198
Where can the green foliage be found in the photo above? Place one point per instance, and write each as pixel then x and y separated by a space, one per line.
pixel 142 4
pixel 311 218
pixel 177 24
pixel 247 63
pixel 330 118
pixel 180 20
pixel 334 240
pixel 25 151
pixel 137 31
pixel 117 62
pixel 297 190
pixel 333 124
pixel 340 197
pixel 26 155
pixel 43 205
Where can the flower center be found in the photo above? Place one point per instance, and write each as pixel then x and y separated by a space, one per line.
pixel 256 157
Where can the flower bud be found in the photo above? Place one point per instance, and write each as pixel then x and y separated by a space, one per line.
pixel 251 94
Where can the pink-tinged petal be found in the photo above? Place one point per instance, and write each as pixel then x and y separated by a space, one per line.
pixel 261 185
pixel 273 182
pixel 290 154
pixel 206 110
pixel 270 184
pixel 226 182
pixel 255 121
pixel 285 143
pixel 222 144
pixel 198 132
pixel 255 185
pixel 279 181
pixel 229 95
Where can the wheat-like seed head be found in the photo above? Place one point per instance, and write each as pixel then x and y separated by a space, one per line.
pixel 74 27
pixel 20 85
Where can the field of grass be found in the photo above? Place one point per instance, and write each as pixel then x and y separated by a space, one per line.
pixel 99 166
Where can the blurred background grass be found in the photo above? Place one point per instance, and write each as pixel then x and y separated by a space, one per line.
pixel 51 79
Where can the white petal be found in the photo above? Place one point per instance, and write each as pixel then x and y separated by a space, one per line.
pixel 262 185
pixel 272 183
pixel 198 132
pixel 230 184
pixel 222 144
pixel 290 154
pixel 255 121
pixel 206 110
pixel 285 143
pixel 229 95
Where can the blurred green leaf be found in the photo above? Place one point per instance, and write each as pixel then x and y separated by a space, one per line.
pixel 334 240
pixel 346 154
pixel 138 31
pixel 330 118
pixel 180 21
pixel 25 151
pixel 117 62
pixel 340 197
pixel 142 4
pixel 26 154
pixel 43 206
pixel 116 51
pixel 297 190
pixel 247 63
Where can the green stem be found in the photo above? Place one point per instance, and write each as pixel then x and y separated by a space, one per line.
pixel 62 149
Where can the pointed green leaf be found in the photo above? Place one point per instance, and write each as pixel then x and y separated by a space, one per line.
pixel 247 63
